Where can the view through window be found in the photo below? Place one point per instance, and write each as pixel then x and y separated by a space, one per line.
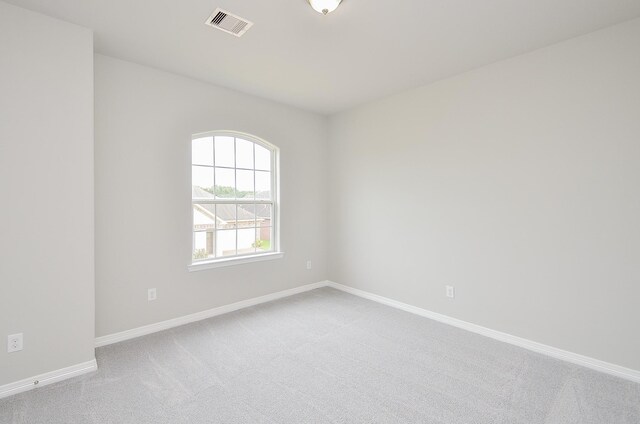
pixel 233 191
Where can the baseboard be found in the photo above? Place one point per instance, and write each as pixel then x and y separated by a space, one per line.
pixel 574 358
pixel 47 378
pixel 83 368
pixel 79 369
pixel 198 316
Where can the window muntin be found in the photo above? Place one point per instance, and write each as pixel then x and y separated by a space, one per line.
pixel 234 187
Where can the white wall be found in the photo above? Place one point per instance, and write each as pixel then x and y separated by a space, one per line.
pixel 46 187
pixel 518 183
pixel 144 122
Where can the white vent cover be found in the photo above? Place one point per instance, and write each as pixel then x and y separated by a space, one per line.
pixel 228 22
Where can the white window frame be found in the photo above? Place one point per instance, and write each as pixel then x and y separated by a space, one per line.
pixel 275 252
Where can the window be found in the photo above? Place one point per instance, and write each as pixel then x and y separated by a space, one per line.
pixel 233 196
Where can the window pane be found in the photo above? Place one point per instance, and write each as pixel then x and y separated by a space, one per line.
pixel 225 183
pixel 225 152
pixel 244 184
pixel 263 158
pixel 202 151
pixel 263 239
pixel 204 217
pixel 264 215
pixel 200 246
pixel 203 231
pixel 244 154
pixel 201 182
pixel 226 243
pixel 226 215
pixel 246 216
pixel 263 185
pixel 246 240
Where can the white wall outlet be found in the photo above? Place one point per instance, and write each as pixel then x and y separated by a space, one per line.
pixel 451 292
pixel 151 295
pixel 308 264
pixel 14 343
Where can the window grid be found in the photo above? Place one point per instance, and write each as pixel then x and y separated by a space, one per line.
pixel 257 229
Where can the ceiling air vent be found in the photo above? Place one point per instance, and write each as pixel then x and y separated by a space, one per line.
pixel 228 22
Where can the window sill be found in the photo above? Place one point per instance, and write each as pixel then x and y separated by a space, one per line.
pixel 219 263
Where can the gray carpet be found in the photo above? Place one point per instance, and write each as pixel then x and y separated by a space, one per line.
pixel 326 357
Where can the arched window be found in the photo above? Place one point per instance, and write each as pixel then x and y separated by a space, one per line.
pixel 234 192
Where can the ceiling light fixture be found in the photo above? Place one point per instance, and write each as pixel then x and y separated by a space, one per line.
pixel 325 6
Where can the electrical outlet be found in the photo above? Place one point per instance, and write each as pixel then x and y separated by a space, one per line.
pixel 308 264
pixel 151 295
pixel 14 343
pixel 451 292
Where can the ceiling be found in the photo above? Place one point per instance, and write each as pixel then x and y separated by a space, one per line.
pixel 365 50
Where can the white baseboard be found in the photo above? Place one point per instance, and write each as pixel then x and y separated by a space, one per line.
pixel 79 369
pixel 198 316
pixel 85 367
pixel 574 358
pixel 47 378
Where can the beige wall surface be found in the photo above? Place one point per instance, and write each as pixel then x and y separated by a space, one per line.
pixel 144 122
pixel 46 187
pixel 517 183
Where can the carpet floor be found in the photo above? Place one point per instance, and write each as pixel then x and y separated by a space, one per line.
pixel 326 357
